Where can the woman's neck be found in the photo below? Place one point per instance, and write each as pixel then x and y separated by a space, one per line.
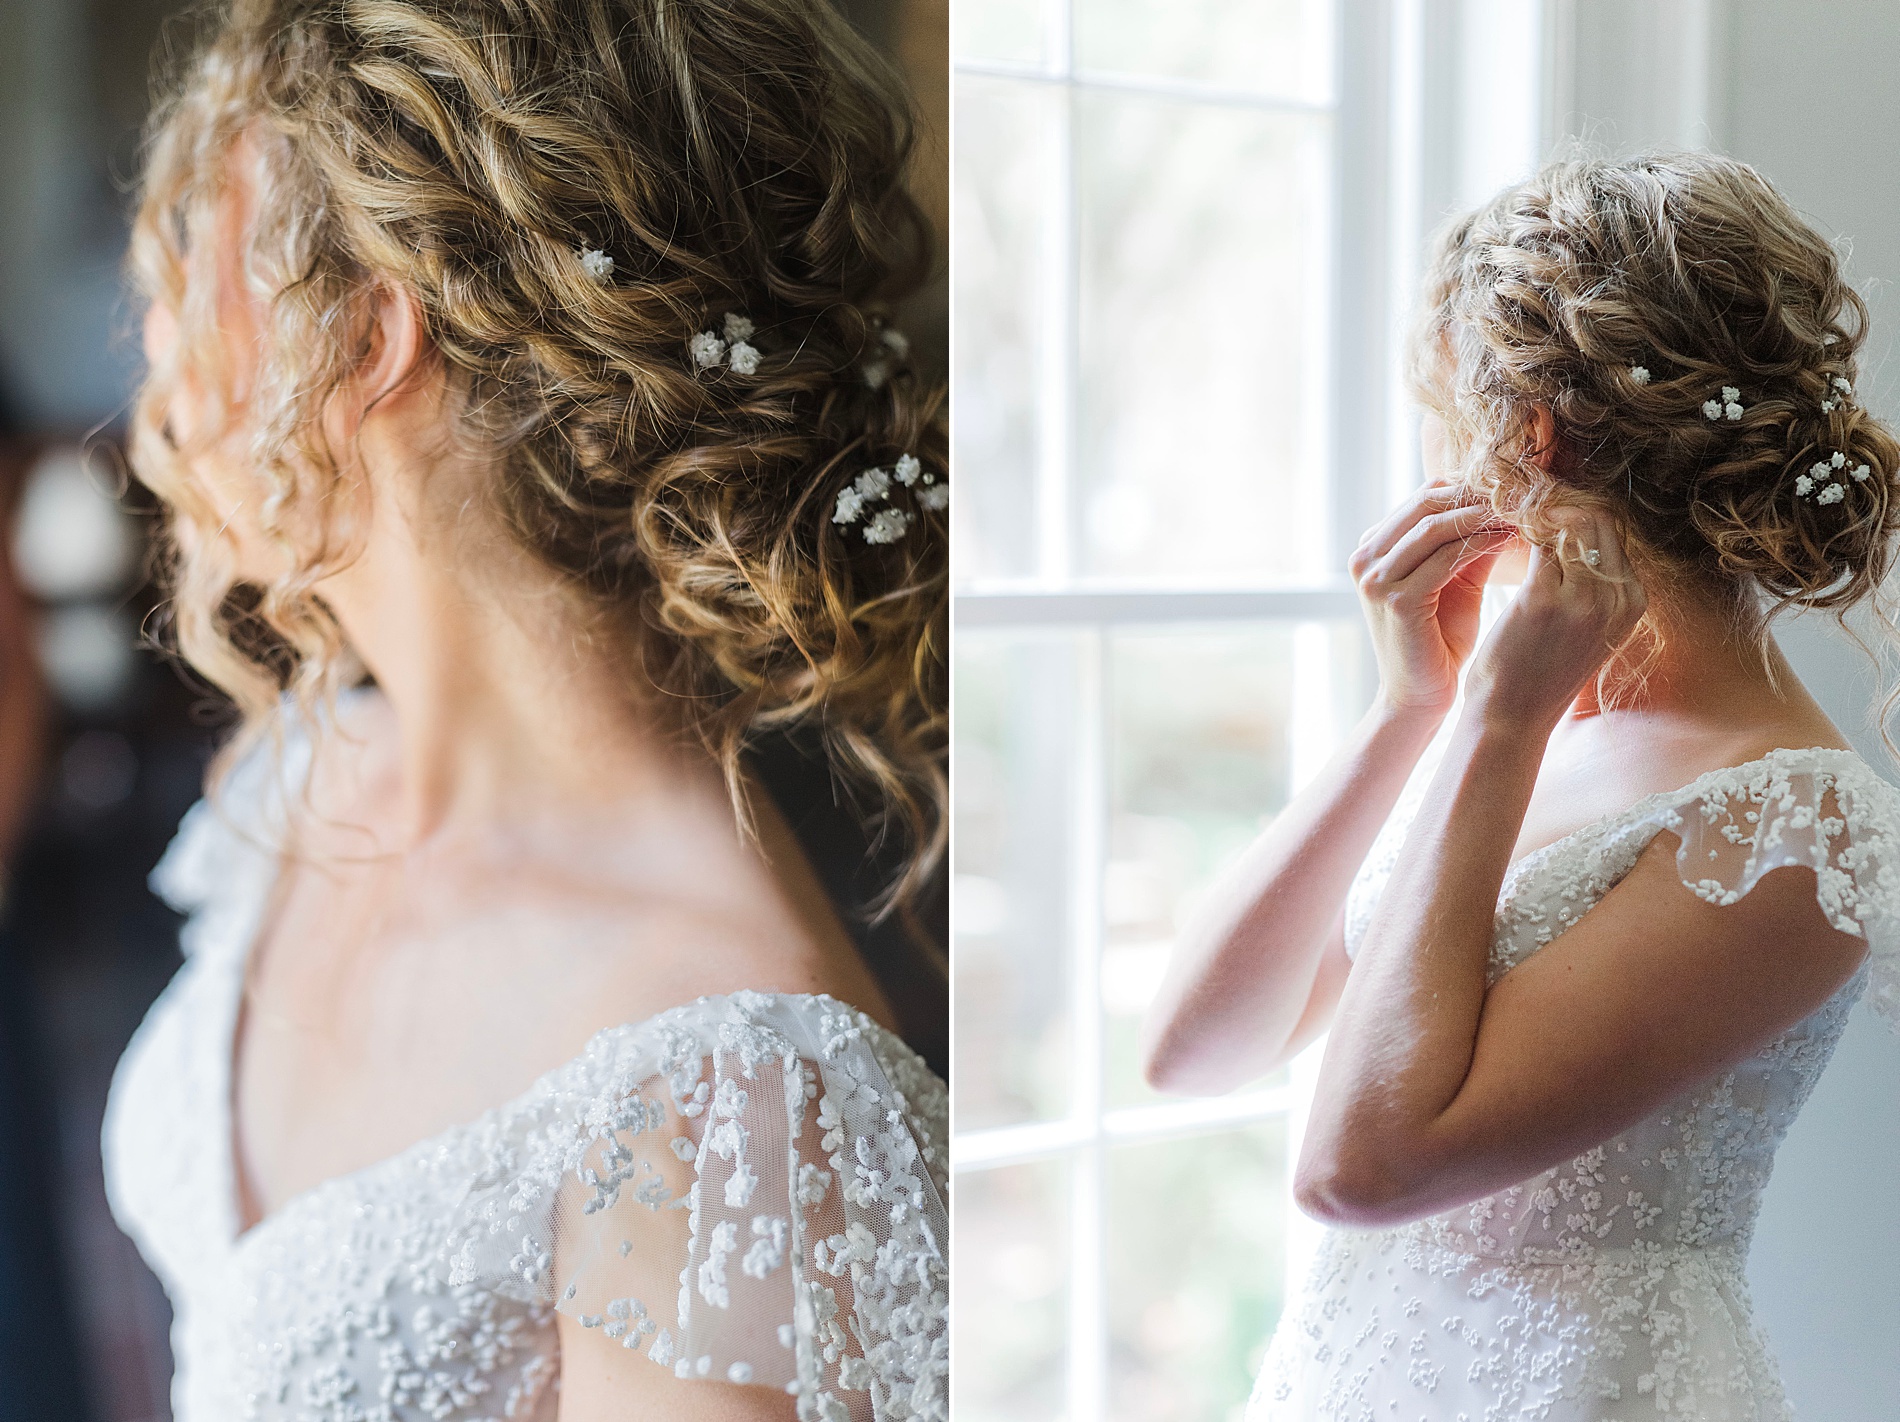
pixel 1706 674
pixel 505 702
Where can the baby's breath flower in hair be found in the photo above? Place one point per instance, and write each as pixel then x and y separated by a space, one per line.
pixel 734 350
pixel 851 504
pixel 896 346
pixel 1639 374
pixel 887 527
pixel 875 486
pixel 1822 480
pixel 597 264
pixel 741 354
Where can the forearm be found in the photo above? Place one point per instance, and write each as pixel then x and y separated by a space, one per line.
pixel 1402 1042
pixel 1240 978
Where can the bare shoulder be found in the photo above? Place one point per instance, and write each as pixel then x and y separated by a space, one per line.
pixel 628 957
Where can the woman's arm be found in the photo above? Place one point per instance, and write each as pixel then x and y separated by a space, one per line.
pixel 604 1382
pixel 1256 977
pixel 1433 1092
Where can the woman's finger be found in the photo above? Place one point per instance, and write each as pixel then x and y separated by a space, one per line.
pixel 1437 568
pixel 1428 535
pixel 1422 503
pixel 1616 562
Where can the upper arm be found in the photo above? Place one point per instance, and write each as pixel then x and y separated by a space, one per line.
pixel 737 1218
pixel 602 1382
pixel 1329 981
pixel 1651 992
pixel 631 1253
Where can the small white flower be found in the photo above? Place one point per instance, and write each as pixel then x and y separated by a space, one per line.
pixel 908 469
pixel 936 498
pixel 1828 407
pixel 896 341
pixel 1803 485
pixel 873 484
pixel 1731 394
pixel 738 328
pixel 1861 472
pixel 851 504
pixel 887 527
pixel 743 358
pixel 1822 471
pixel 876 372
pixel 1832 494
pixel 1732 410
pixel 708 350
pixel 1844 385
pixel 1712 409
pixel 597 264
pixel 1639 374
pixel 1838 460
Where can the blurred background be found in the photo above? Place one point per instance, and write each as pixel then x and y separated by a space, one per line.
pixel 103 745
pixel 1186 236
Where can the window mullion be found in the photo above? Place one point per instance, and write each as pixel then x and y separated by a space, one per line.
pixel 1088 1338
pixel 1055 464
pixel 1357 365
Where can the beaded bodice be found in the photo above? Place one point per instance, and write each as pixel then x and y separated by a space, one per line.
pixel 747 1188
pixel 1609 1288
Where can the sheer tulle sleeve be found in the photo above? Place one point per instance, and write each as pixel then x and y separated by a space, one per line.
pixel 1821 810
pixel 753 1194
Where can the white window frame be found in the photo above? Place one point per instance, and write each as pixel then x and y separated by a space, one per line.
pixel 1398 157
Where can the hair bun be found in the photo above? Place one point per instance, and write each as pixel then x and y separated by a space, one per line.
pixel 1696 342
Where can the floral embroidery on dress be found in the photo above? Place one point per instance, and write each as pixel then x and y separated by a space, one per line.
pixel 1610 1288
pixel 748 1188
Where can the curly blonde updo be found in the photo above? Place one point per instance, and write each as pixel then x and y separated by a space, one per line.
pixel 743 156
pixel 1624 296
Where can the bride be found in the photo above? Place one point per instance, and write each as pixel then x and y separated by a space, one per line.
pixel 1627 889
pixel 531 439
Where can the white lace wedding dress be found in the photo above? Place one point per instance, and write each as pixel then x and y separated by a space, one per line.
pixel 1610 1288
pixel 747 1188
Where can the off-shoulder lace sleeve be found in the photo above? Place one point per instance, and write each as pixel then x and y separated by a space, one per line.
pixel 1823 810
pixel 750 1192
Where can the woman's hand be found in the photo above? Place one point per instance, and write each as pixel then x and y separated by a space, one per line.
pixel 1579 603
pixel 1421 578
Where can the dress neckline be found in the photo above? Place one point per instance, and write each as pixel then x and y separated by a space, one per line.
pixel 1640 809
pixel 242 945
pixel 238 1237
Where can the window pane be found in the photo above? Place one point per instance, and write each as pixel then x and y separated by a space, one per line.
pixel 1198 430
pixel 1196 1258
pixel 1015 709
pixel 1005 180
pixel 1199 726
pixel 1276 47
pixel 1011 1320
pixel 1010 30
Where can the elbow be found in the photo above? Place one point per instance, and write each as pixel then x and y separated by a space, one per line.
pixel 1356 1191
pixel 1174 1068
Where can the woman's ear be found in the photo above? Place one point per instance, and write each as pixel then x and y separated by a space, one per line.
pixel 399 349
pixel 1543 450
